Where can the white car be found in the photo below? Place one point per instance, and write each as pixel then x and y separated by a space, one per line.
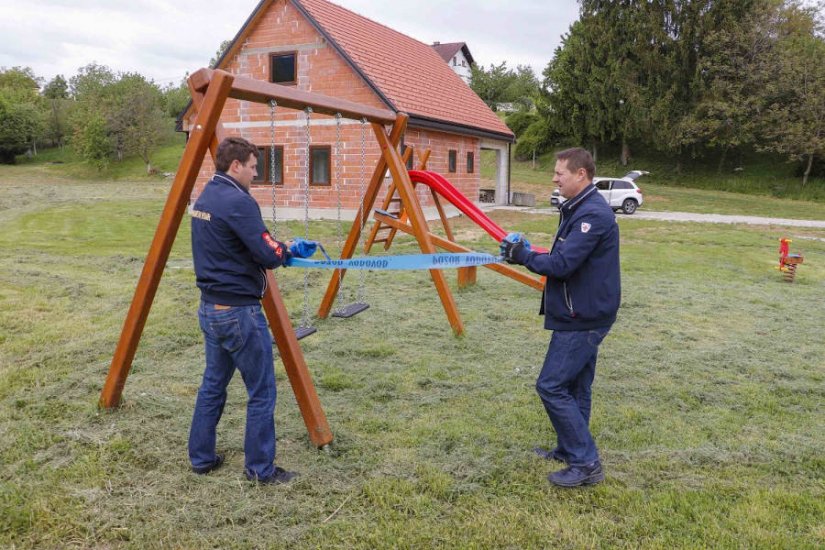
pixel 620 193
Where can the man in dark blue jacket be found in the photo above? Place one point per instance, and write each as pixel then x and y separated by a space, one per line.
pixel 232 248
pixel 579 303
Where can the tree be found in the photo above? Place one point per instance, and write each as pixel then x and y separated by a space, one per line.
pixel 498 84
pixel 90 81
pixel 57 88
pixel 139 115
pixel 213 63
pixel 92 143
pixel 794 121
pixel 19 124
pixel 21 114
pixel 19 84
pixel 56 93
pixel 175 99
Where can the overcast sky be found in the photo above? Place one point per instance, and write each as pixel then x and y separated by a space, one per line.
pixel 163 39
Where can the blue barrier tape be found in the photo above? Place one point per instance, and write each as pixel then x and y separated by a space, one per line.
pixel 405 262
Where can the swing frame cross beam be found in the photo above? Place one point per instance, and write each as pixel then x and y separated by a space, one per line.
pixel 210 90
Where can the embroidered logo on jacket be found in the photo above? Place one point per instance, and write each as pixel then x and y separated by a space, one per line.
pixel 272 243
pixel 201 215
pixel 585 227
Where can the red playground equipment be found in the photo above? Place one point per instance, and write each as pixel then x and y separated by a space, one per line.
pixel 787 261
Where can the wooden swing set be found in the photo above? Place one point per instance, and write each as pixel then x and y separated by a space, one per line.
pixel 210 90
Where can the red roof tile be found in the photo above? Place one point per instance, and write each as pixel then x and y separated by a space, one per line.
pixel 407 72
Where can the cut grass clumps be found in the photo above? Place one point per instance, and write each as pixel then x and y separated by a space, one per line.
pixel 707 403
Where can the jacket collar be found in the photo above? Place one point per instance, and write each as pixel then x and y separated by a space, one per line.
pixel 223 177
pixel 573 203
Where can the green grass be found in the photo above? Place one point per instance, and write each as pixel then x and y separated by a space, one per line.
pixel 707 407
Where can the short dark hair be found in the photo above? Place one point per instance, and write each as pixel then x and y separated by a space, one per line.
pixel 233 148
pixel 578 158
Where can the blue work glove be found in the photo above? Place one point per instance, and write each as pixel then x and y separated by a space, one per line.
pixel 515 249
pixel 302 248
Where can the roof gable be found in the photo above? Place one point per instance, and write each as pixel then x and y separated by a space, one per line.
pixel 447 51
pixel 407 75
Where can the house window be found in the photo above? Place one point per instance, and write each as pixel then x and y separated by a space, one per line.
pixel 471 163
pixel 455 62
pixel 265 167
pixel 452 160
pixel 283 68
pixel 319 164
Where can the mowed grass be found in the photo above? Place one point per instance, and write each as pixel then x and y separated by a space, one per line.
pixel 708 404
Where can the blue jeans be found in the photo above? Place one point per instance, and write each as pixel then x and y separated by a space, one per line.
pixel 564 388
pixel 236 338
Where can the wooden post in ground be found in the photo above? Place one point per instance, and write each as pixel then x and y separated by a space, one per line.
pixel 370 194
pixel 205 136
pixel 176 203
pixel 418 222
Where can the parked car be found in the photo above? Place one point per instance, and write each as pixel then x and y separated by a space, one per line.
pixel 620 193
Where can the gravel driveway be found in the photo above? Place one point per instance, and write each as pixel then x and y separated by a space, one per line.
pixel 688 217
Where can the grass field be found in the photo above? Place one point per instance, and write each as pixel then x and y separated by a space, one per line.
pixel 708 402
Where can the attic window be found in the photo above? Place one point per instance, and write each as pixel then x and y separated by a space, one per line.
pixel 283 68
pixel 455 61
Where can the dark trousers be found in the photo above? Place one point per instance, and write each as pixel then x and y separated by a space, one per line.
pixel 236 338
pixel 564 388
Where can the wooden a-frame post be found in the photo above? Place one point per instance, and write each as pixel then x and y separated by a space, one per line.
pixel 391 159
pixel 210 89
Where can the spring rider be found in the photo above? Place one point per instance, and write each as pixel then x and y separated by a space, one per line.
pixel 787 261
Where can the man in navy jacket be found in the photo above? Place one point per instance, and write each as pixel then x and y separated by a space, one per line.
pixel 232 248
pixel 579 303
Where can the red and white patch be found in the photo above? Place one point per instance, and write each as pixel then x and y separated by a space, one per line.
pixel 585 227
pixel 273 244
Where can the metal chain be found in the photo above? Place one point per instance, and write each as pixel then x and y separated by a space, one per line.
pixel 362 283
pixel 338 185
pixel 272 105
pixel 305 321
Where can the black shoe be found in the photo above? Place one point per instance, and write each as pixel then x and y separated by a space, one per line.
pixel 278 477
pixel 575 476
pixel 214 466
pixel 555 454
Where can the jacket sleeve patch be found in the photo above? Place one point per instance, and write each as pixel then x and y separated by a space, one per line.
pixel 585 227
pixel 273 244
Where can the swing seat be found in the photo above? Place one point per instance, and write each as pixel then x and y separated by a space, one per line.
pixel 351 310
pixel 303 332
pixel 385 213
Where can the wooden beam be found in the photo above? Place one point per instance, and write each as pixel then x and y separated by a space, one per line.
pixel 441 242
pixel 295 365
pixel 199 140
pixel 418 222
pixel 291 97
pixel 354 236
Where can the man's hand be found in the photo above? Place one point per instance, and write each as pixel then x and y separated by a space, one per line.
pixel 515 249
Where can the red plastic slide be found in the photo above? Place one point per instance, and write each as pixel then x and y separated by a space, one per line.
pixel 443 187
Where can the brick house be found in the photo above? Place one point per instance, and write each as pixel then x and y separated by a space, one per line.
pixel 324 48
